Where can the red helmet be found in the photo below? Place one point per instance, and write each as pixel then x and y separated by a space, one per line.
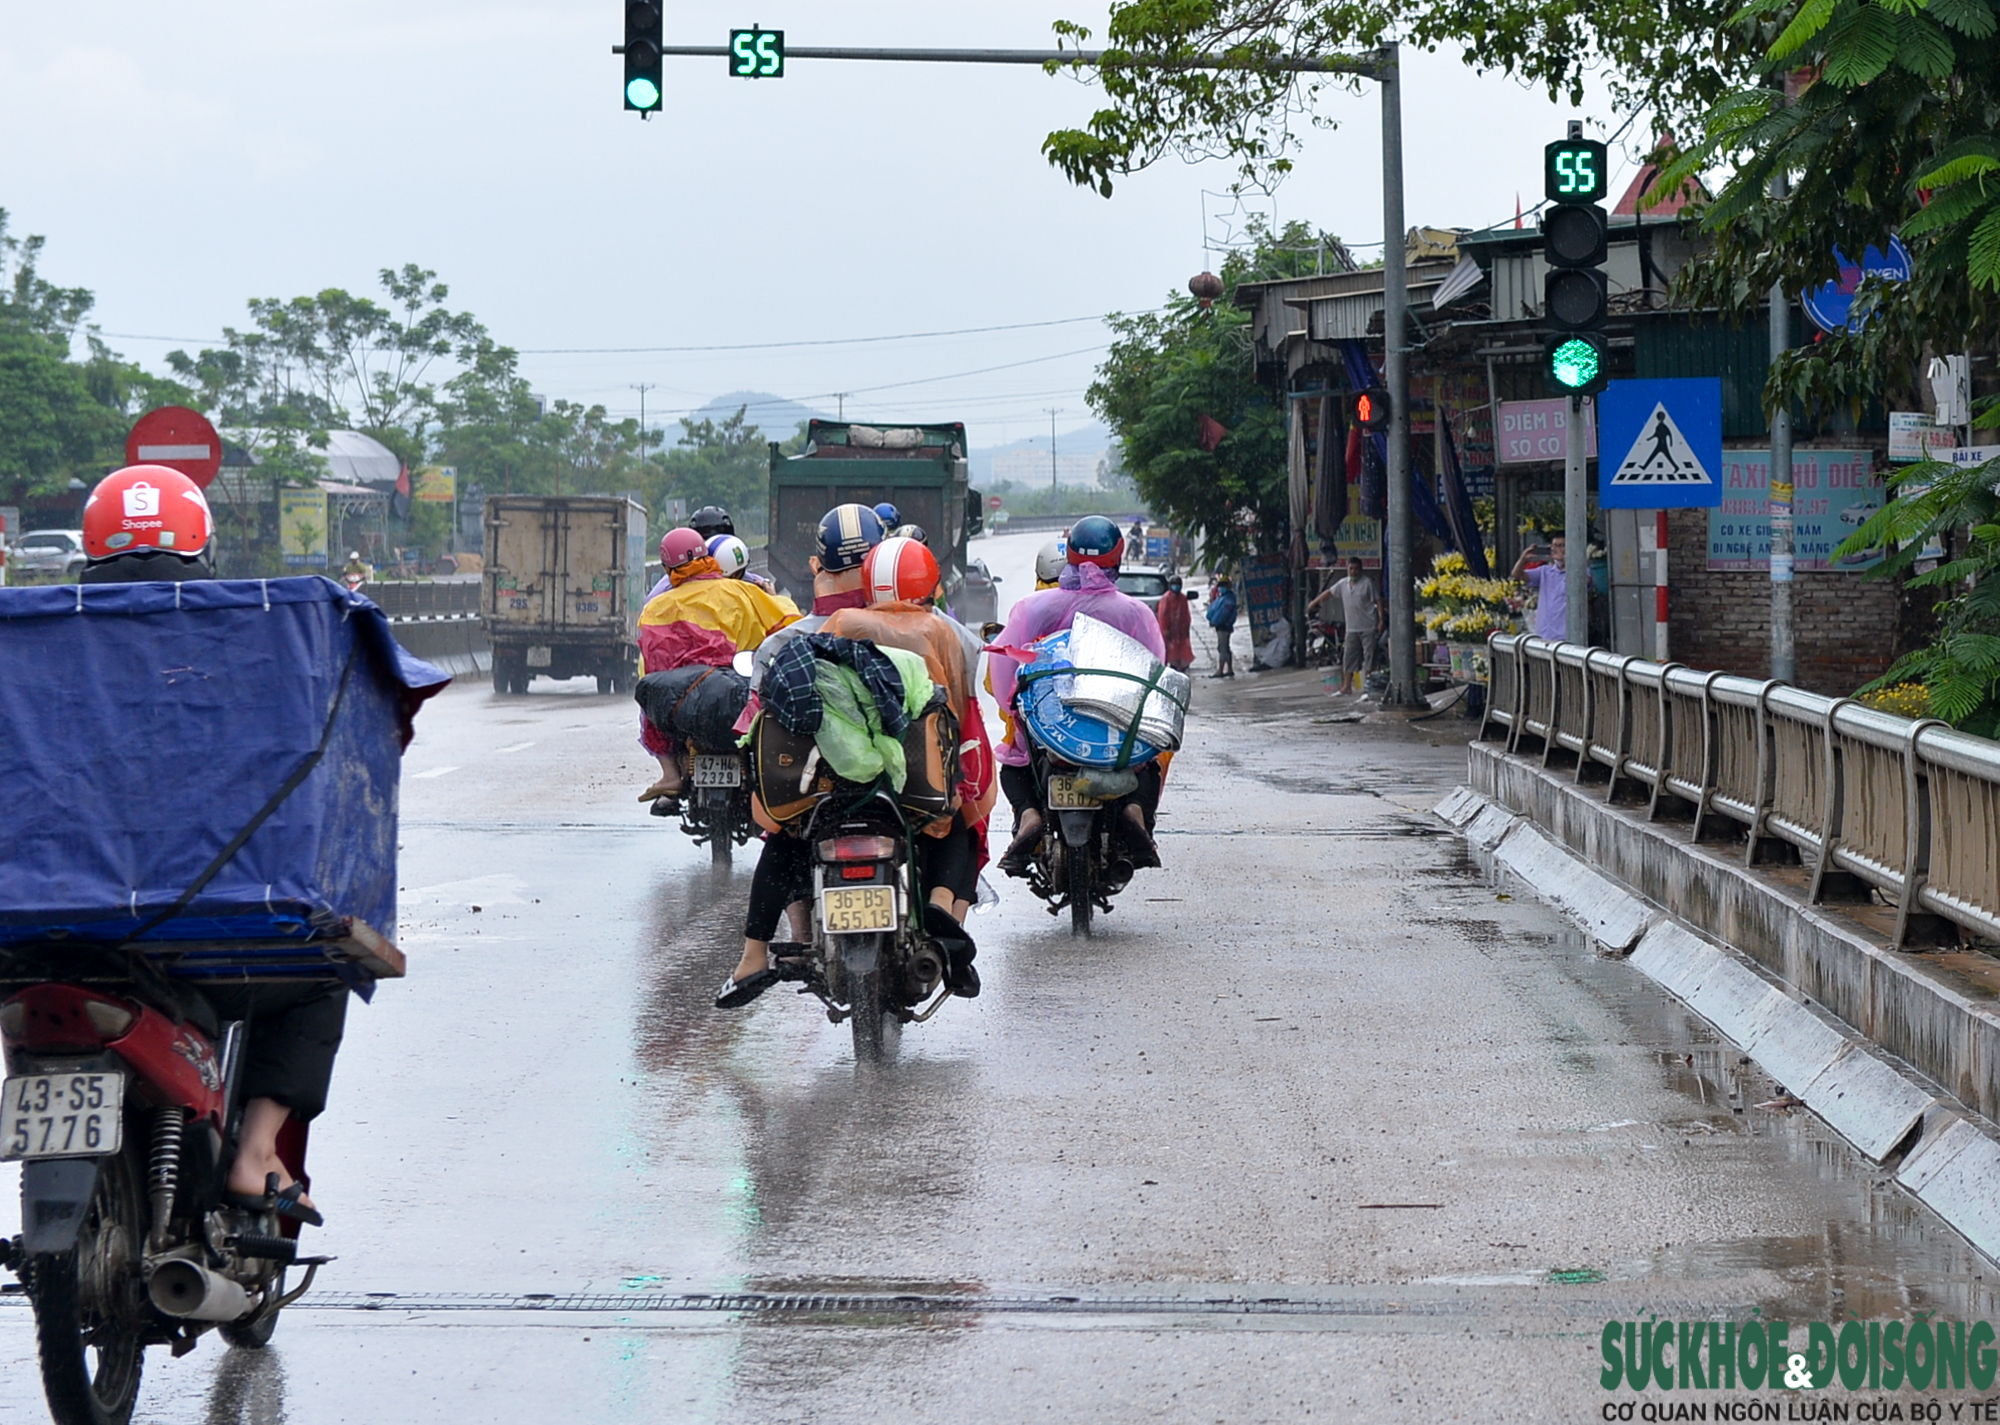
pixel 899 568
pixel 678 546
pixel 146 507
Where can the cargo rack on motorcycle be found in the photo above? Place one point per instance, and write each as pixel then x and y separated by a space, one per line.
pixel 351 945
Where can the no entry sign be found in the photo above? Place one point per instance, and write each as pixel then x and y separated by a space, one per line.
pixel 179 439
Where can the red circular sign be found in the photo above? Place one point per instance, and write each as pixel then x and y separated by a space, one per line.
pixel 179 439
pixel 992 502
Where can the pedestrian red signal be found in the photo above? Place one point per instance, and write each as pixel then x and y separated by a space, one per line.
pixel 1371 409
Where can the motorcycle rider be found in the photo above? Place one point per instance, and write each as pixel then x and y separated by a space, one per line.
pixel 149 523
pixel 702 618
pixel 902 580
pixel 1050 561
pixel 732 556
pixel 711 520
pixel 846 534
pixel 888 514
pixel 1093 551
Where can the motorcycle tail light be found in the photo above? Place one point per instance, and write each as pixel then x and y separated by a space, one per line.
pixel 47 1018
pixel 857 873
pixel 857 848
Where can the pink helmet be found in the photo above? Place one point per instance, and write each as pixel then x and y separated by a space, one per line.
pixel 678 546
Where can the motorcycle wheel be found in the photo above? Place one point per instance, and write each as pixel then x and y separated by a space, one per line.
pixel 255 1335
pixel 1081 883
pixel 89 1303
pixel 720 846
pixel 864 997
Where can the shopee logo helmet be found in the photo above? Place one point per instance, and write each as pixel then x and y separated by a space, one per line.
pixel 146 507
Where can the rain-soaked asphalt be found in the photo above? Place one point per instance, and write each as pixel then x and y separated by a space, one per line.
pixel 1326 1124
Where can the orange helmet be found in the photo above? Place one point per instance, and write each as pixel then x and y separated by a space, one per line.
pixel 899 568
pixel 145 507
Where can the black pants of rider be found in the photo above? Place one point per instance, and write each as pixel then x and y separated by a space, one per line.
pixel 292 1031
pixel 783 875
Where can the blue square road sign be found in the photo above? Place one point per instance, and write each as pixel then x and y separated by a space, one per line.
pixel 1659 444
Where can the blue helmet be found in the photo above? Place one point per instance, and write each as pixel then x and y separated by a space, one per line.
pixel 888 514
pixel 1095 540
pixel 846 534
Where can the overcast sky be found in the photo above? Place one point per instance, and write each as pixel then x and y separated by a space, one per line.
pixel 183 158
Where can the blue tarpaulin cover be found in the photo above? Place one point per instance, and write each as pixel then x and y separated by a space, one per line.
pixel 144 726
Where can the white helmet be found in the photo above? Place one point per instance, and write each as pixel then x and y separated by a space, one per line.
pixel 1050 561
pixel 730 554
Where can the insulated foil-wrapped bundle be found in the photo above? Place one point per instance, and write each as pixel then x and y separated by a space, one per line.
pixel 1119 680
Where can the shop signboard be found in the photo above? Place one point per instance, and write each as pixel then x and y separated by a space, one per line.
pixel 1263 592
pixel 1834 492
pixel 1536 431
pixel 1914 436
pixel 437 484
pixel 1359 538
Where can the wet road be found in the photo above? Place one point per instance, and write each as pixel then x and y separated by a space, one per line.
pixel 1325 1125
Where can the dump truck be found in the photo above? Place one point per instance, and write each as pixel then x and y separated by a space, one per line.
pixel 562 589
pixel 920 469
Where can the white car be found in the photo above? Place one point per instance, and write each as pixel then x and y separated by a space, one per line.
pixel 48 551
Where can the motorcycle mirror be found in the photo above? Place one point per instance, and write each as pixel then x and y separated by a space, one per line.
pixel 742 663
pixel 990 631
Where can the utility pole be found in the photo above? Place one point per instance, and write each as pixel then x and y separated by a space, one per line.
pixel 642 388
pixel 1784 639
pixel 840 405
pixel 1402 691
pixel 1053 411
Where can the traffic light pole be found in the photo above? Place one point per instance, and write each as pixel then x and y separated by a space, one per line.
pixel 1576 526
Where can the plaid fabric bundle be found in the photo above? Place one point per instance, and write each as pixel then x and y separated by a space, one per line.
pixel 791 689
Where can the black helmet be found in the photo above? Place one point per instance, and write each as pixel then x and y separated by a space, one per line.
pixel 911 531
pixel 711 520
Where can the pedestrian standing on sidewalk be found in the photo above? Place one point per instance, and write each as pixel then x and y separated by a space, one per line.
pixel 1358 598
pixel 1551 591
pixel 1221 617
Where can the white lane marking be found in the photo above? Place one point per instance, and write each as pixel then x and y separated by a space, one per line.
pixel 436 772
pixel 518 747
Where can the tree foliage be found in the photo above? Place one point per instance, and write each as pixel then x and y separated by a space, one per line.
pixel 1893 125
pixel 724 462
pixel 1167 94
pixel 60 418
pixel 1168 369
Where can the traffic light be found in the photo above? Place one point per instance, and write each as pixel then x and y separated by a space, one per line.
pixel 1370 408
pixel 757 54
pixel 1575 299
pixel 642 56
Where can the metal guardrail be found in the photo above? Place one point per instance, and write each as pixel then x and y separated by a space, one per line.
pixel 1868 799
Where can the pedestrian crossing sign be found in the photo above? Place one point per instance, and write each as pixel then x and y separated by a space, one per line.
pixel 1660 444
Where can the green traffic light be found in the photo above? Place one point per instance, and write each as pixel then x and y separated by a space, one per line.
pixel 642 93
pixel 1574 364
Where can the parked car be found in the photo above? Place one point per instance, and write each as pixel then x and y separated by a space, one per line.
pixel 1146 585
pixel 978 603
pixel 48 551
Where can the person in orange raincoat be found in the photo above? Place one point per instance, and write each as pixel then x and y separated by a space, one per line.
pixel 1176 620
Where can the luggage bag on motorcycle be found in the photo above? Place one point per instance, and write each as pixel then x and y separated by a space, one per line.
pixel 930 758
pixel 790 773
pixel 697 704
pixel 245 731
pixel 1074 736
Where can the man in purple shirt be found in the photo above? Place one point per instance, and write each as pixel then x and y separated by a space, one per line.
pixel 1087 586
pixel 1551 592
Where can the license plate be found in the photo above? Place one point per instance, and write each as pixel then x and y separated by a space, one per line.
pixel 856 910
pixel 1064 794
pixel 61 1115
pixel 718 771
pixel 540 657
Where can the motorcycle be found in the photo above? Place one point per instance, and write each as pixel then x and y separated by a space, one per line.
pixel 871 960
pixel 715 800
pixel 121 1105
pixel 1079 865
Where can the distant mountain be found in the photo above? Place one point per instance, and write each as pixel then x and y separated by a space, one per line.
pixel 1091 440
pixel 777 417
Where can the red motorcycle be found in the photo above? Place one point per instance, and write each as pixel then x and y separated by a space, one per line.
pixel 120 1105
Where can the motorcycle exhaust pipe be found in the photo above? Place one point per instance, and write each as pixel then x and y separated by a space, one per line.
pixel 927 966
pixel 192 1292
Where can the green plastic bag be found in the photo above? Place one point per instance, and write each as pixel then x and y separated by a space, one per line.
pixel 850 735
